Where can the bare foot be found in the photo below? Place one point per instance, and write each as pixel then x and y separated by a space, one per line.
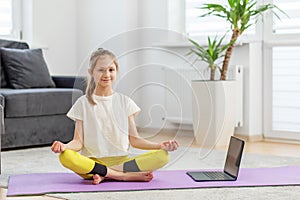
pixel 138 176
pixel 129 176
pixel 97 179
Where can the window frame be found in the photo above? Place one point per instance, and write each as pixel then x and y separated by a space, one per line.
pixel 271 40
pixel 16 32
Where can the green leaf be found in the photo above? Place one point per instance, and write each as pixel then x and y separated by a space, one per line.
pixel 210 53
pixel 240 14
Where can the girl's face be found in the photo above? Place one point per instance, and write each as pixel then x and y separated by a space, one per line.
pixel 104 72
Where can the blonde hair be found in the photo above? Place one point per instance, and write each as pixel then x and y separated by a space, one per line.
pixel 91 86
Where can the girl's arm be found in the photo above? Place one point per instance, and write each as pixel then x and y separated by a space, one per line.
pixel 140 143
pixel 76 144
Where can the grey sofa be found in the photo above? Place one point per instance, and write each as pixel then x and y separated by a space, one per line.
pixel 33 115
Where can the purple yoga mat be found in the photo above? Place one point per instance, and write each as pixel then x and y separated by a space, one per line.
pixel 33 184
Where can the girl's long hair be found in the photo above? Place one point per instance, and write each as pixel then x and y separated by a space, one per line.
pixel 91 85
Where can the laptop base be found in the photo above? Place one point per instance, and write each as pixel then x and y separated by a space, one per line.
pixel 210 176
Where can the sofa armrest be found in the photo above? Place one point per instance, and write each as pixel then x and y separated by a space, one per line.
pixel 78 82
pixel 2 100
pixel 1 130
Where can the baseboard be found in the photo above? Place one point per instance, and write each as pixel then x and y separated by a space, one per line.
pixel 165 131
pixel 284 141
pixel 260 138
pixel 250 138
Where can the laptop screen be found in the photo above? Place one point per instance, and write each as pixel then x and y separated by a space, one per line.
pixel 234 156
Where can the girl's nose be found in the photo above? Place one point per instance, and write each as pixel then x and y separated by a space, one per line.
pixel 106 73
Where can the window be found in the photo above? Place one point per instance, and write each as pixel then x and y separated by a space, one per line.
pixel 196 26
pixel 286 89
pixel 290 24
pixel 209 25
pixel 282 72
pixel 10 20
pixel 6 23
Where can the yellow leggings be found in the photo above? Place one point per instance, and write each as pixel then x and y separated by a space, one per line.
pixel 82 165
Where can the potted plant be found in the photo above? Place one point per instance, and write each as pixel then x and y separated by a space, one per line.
pixel 212 123
pixel 214 110
pixel 210 53
pixel 239 13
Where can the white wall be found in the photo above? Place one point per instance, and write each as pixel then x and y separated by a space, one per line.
pixel 100 21
pixel 51 25
pixel 69 30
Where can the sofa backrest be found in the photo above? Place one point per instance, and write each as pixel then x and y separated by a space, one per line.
pixel 13 45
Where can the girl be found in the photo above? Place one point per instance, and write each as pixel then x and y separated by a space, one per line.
pixel 104 130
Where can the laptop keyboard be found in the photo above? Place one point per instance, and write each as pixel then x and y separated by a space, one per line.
pixel 215 175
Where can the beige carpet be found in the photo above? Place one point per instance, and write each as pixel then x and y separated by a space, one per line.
pixel 43 160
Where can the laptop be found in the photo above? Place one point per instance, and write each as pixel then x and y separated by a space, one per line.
pixel 231 168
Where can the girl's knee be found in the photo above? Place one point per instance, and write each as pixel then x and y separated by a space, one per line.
pixel 163 157
pixel 152 160
pixel 76 162
pixel 66 158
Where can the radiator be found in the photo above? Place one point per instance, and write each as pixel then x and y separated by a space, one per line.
pixel 178 95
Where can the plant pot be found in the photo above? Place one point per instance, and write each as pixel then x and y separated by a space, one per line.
pixel 214 112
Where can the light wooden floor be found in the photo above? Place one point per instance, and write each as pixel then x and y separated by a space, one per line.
pixel 261 147
pixel 269 148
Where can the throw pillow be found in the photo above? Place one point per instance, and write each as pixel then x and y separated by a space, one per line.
pixel 13 45
pixel 26 68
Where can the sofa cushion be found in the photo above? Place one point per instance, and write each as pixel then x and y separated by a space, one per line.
pixel 36 130
pixel 25 68
pixel 13 45
pixel 38 102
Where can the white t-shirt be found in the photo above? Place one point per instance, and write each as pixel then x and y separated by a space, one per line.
pixel 105 125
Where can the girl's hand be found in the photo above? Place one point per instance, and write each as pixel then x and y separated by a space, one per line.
pixel 171 145
pixel 58 147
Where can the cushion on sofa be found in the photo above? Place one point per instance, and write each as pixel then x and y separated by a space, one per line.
pixel 38 101
pixel 36 130
pixel 13 45
pixel 25 68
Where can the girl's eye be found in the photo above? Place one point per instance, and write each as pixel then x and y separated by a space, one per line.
pixel 111 70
